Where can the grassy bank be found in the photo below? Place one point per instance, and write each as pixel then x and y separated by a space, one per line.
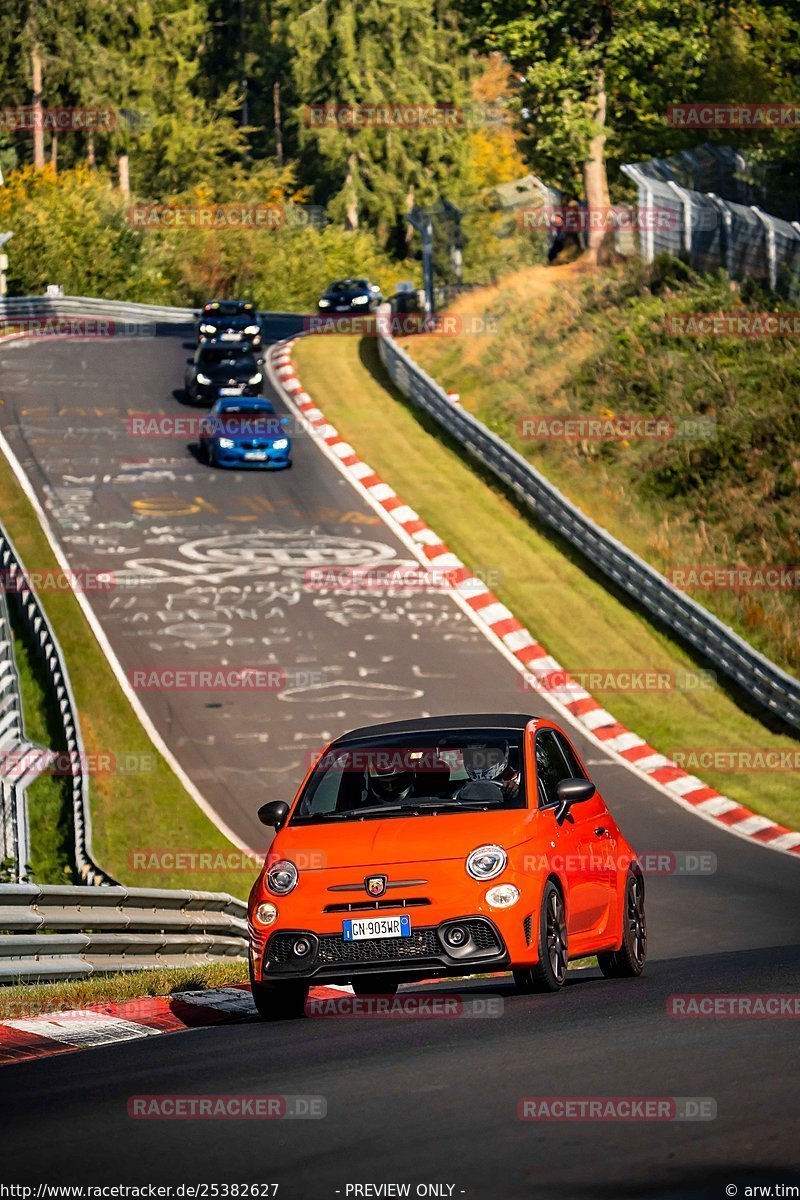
pixel 573 614
pixel 29 1000
pixel 51 857
pixel 144 810
pixel 567 342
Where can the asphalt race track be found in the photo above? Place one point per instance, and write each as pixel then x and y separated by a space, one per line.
pixel 210 568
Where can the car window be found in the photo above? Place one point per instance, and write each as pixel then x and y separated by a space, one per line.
pixel 576 771
pixel 445 771
pixel 551 766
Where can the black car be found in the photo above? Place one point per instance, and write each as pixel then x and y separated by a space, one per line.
pixel 234 321
pixel 350 296
pixel 222 370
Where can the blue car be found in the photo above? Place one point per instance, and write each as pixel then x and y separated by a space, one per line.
pixel 244 432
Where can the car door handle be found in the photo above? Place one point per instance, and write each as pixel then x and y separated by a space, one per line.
pixel 601 831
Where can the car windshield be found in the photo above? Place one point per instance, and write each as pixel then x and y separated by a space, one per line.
pixel 348 285
pixel 239 355
pixel 229 308
pixel 416 774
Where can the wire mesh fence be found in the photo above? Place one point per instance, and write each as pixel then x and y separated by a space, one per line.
pixel 713 229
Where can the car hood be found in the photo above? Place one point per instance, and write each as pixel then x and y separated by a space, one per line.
pixel 375 843
pixel 228 371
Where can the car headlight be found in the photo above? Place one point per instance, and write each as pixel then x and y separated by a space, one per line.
pixel 324 303
pixel 201 378
pixel 280 444
pixel 208 329
pixel 252 330
pixel 282 877
pixel 361 300
pixel 225 443
pixel 267 913
pixel 503 895
pixel 255 378
pixel 486 861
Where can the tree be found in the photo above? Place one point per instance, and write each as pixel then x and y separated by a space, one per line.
pixel 596 79
pixel 369 53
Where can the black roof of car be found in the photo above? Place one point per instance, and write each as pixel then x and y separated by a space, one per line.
pixel 349 283
pixel 506 721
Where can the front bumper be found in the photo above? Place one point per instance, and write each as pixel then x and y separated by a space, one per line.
pixel 424 953
pixel 207 393
pixel 237 457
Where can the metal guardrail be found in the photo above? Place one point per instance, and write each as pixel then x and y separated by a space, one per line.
pixel 22 307
pixel 135 320
pixel 15 581
pixel 729 654
pixel 13 808
pixel 72 932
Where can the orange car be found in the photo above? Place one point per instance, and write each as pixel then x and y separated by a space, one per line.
pixel 442 846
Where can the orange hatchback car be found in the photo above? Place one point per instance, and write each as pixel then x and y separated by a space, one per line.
pixel 442 846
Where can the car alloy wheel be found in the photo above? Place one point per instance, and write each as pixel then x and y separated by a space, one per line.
pixel 629 960
pixel 550 971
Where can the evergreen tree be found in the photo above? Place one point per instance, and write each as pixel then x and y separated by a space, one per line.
pixel 373 53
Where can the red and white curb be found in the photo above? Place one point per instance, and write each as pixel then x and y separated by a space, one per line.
pixel 52 1032
pixel 517 644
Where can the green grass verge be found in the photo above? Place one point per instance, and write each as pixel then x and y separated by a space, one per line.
pixel 51 857
pixel 145 811
pixel 571 342
pixel 576 618
pixel 31 999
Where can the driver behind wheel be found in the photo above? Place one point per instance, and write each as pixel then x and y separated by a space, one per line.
pixel 491 775
pixel 386 783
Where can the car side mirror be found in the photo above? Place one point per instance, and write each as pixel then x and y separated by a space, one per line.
pixel 572 791
pixel 274 814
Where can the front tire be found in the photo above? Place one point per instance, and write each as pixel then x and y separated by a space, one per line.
pixel 628 962
pixel 550 971
pixel 279 1001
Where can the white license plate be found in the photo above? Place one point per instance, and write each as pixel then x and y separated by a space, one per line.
pixel 230 391
pixel 256 455
pixel 231 337
pixel 366 928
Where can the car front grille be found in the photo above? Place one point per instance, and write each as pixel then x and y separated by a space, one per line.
pixel 364 905
pixel 423 943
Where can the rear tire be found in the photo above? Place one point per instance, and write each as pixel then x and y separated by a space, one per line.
pixel 375 985
pixel 629 960
pixel 279 1001
pixel 550 971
